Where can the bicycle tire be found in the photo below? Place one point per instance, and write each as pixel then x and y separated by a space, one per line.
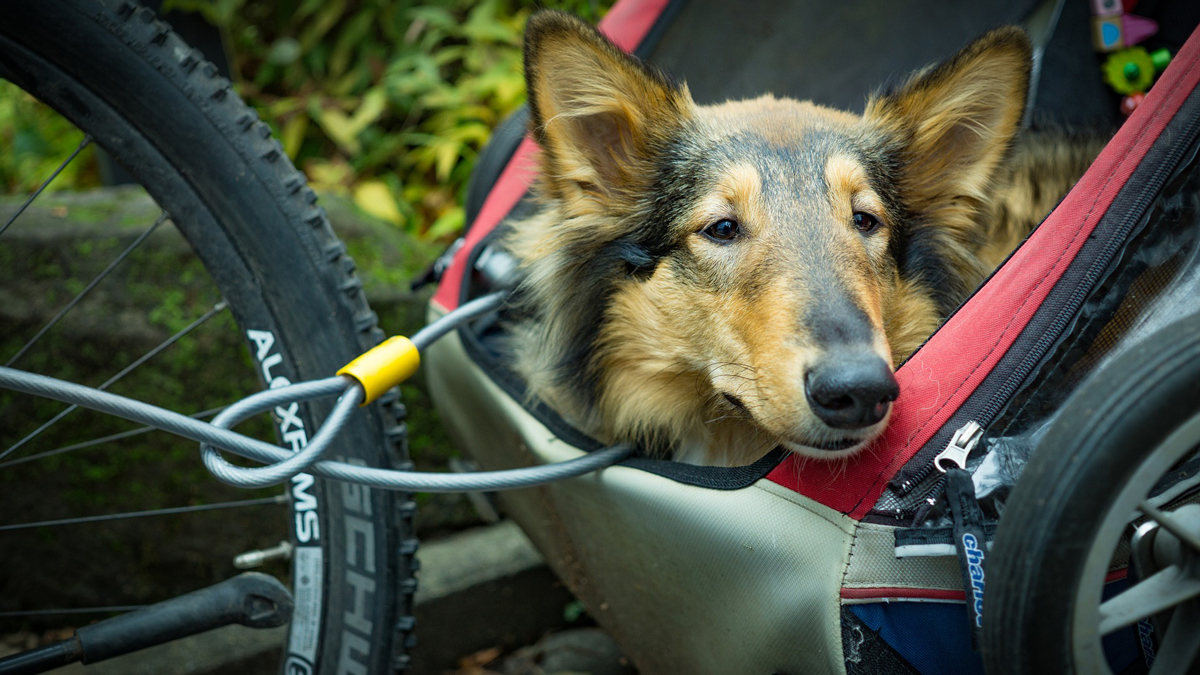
pixel 161 110
pixel 1119 421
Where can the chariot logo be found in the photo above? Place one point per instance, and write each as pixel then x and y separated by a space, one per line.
pixel 975 570
pixel 1146 638
pixel 291 427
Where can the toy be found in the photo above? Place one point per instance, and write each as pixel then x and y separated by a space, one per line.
pixel 1137 29
pixel 1107 33
pixel 1113 28
pixel 1161 59
pixel 1131 102
pixel 1129 70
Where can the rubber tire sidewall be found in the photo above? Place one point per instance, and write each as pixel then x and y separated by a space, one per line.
pixel 1103 434
pixel 268 247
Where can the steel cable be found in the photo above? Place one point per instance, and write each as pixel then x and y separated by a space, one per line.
pixel 282 464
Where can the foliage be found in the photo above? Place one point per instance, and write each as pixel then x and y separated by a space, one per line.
pixel 34 143
pixel 384 100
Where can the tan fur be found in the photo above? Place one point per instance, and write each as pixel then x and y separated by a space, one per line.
pixel 1042 168
pixel 644 327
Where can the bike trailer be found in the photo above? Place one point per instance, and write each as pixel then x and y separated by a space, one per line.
pixel 877 565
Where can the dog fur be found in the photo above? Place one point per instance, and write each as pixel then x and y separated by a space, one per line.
pixel 854 237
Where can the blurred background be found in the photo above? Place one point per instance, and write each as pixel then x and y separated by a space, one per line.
pixel 385 102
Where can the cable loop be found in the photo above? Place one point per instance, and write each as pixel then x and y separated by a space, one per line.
pixel 280 465
pixel 278 472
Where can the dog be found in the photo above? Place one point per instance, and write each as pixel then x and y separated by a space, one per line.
pixel 715 281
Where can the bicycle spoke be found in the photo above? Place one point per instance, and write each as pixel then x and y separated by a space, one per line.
pixel 1166 588
pixel 70 305
pixel 220 306
pixel 82 144
pixel 277 499
pixel 79 610
pixel 103 439
pixel 1168 523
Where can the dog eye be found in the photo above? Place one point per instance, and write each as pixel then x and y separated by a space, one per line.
pixel 865 222
pixel 723 230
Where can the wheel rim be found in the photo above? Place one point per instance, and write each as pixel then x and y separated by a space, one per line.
pixel 316 267
pixel 22 447
pixel 1088 614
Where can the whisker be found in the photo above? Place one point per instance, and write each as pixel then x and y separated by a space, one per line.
pixel 734 415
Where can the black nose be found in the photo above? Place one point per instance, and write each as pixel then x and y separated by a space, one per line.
pixel 851 391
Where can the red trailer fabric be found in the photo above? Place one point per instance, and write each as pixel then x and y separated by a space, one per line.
pixel 626 24
pixel 947 370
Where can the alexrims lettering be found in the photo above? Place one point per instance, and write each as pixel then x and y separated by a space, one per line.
pixel 975 569
pixel 291 428
pixel 308 564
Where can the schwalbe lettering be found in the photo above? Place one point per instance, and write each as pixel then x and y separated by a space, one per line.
pixel 358 619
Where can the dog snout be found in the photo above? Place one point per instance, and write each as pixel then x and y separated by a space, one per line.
pixel 851 392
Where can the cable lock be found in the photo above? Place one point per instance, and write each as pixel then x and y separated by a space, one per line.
pixel 384 366
pixel 359 382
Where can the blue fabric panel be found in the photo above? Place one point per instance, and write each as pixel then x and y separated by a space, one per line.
pixel 935 639
pixel 932 636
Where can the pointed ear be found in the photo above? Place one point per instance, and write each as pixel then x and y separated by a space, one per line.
pixel 599 115
pixel 954 123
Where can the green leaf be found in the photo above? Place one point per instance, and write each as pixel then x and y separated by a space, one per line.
pixel 323 22
pixel 337 127
pixel 350 39
pixel 375 198
pixel 449 223
pixel 284 51
pixel 293 135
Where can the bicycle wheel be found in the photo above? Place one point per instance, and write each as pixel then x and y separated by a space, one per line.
pixel 1110 479
pixel 162 112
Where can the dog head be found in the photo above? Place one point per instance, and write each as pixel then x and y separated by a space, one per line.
pixel 748 274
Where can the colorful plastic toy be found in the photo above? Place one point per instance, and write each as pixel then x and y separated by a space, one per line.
pixel 1113 28
pixel 1161 59
pixel 1137 29
pixel 1131 102
pixel 1107 33
pixel 1129 70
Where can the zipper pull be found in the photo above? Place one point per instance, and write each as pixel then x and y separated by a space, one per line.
pixel 961 445
pixel 970 541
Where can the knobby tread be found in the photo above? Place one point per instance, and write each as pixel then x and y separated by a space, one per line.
pixel 252 139
pixel 1115 419
pixel 259 142
pixel 339 267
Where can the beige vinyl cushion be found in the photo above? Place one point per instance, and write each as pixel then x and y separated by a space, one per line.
pixel 687 580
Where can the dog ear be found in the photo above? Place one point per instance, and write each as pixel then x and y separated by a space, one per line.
pixel 955 122
pixel 599 115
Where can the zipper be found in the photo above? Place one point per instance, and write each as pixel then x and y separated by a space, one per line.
pixel 964 441
pixel 955 454
pixel 906 481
